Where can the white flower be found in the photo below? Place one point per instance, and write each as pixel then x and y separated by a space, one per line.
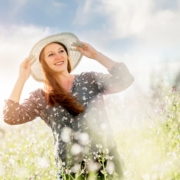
pixel 66 134
pixel 21 173
pixel 93 166
pixel 146 177
pixel 43 162
pixel 99 146
pixel 103 126
pixel 76 149
pixel 84 138
pixel 110 167
pixel 76 168
pixel 2 170
pixel 84 98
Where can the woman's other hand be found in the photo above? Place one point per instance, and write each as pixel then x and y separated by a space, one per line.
pixel 88 50
pixel 25 69
pixel 92 53
pixel 24 73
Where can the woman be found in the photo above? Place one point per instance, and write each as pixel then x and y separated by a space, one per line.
pixel 71 105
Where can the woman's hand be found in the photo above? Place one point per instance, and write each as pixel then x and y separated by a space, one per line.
pixel 24 69
pixel 88 50
pixel 24 73
pixel 92 53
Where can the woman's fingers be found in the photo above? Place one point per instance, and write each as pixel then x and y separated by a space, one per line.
pixel 25 63
pixel 79 48
pixel 25 70
pixel 87 50
pixel 85 45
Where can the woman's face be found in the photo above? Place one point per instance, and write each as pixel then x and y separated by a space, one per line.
pixel 56 57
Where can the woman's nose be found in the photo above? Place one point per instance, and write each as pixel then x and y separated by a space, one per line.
pixel 58 55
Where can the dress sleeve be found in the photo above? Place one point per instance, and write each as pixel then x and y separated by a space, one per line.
pixel 118 79
pixel 15 113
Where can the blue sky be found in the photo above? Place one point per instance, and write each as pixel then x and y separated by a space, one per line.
pixel 143 33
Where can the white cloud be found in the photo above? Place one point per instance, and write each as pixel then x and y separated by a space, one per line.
pixel 122 17
pixel 83 13
pixel 162 29
pixel 140 19
pixel 127 18
pixel 17 41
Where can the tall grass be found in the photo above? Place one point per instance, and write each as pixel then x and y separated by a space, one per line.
pixel 27 153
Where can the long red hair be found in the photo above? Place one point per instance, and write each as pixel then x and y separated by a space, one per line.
pixel 54 92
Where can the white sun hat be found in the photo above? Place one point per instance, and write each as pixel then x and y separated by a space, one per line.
pixel 68 39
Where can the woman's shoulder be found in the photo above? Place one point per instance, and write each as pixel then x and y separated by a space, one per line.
pixel 37 95
pixel 88 74
pixel 37 92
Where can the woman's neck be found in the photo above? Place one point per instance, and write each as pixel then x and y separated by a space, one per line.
pixel 66 80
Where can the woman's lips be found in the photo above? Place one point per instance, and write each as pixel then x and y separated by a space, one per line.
pixel 59 63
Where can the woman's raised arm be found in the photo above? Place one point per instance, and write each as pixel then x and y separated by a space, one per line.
pixel 24 73
pixel 120 77
pixel 15 113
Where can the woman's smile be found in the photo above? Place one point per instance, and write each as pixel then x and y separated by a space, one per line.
pixel 59 63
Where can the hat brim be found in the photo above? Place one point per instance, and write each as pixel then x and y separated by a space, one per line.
pixel 68 39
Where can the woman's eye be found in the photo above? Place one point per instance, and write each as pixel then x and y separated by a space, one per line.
pixel 61 51
pixel 50 54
